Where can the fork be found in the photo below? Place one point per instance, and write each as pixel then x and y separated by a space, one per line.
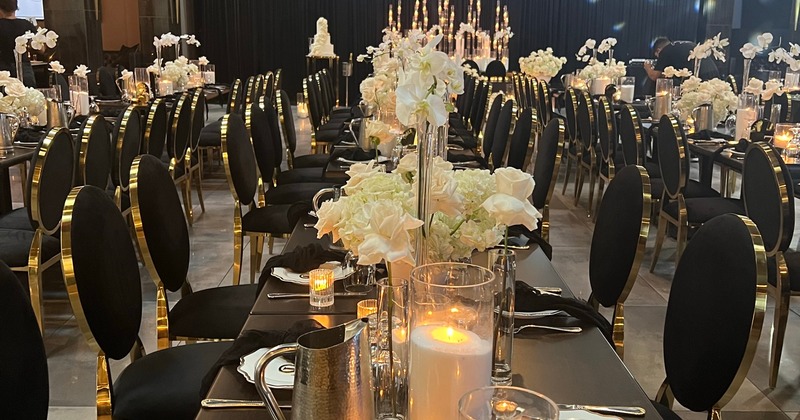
pixel 548 327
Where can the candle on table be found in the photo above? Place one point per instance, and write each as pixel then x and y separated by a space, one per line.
pixel 783 135
pixel 447 362
pixel 165 88
pixel 626 93
pixel 366 308
pixel 391 25
pixel 320 282
pixel 80 101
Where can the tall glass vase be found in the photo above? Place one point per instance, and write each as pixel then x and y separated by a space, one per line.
pixel 390 360
pixel 18 63
pixel 503 263
pixel 697 67
pixel 431 142
pixel 745 72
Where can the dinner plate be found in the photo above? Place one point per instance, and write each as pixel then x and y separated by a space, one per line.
pixel 583 415
pixel 381 159
pixel 279 374
pixel 290 276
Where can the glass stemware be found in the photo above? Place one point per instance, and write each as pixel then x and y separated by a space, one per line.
pixel 506 403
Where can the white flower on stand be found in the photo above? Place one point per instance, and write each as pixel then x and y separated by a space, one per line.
pixel 56 67
pixel 203 61
pixel 81 70
pixel 542 63
pixel 754 86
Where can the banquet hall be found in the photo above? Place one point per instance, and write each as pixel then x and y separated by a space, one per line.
pixel 400 209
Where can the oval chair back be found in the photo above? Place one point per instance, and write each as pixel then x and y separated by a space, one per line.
pixel 532 91
pixel 198 118
pixel 180 128
pixel 586 121
pixel 155 134
pixel 465 107
pixel 52 171
pixel 314 113
pixel 269 85
pixel 630 134
pixel 238 158
pixel 715 313
pixel 480 112
pixel 278 80
pixel 101 276
pixel 274 124
pixel 94 160
pixel 501 133
pixel 606 131
pixel 471 64
pixel 571 109
pixel 258 90
pixel 234 96
pixel 161 230
pixel 324 92
pixel 249 88
pixel 127 139
pixel 766 183
pixel 287 120
pixel 495 68
pixel 518 149
pixel 23 362
pixel 548 160
pixel 491 124
pixel 544 101
pixel 672 159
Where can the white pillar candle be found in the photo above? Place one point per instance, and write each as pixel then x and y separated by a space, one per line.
pixel 165 88
pixel 210 77
pixel 599 85
pixel 745 117
pixel 446 363
pixel 80 101
pixel 626 93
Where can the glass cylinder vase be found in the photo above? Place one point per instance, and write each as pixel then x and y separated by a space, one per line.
pixel 746 115
pixel 746 71
pixel 697 67
pixel 791 80
pixel 18 66
pixel 431 142
pixel 450 340
pixel 503 263
pixel 390 359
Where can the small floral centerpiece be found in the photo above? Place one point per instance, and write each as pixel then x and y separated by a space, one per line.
pixel 601 73
pixel 711 47
pixel 19 100
pixel 177 71
pixel 790 57
pixel 542 64
pixel 718 93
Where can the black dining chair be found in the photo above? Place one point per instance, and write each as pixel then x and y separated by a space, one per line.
pixel 545 170
pixel 94 153
pixel 105 292
pixel 323 133
pixel 471 64
pixel 501 133
pixel 714 316
pixel 217 313
pixel 572 145
pixel 685 204
pixel 23 362
pixel 496 71
pixel 290 136
pixel 618 243
pixel 126 138
pixel 544 107
pixel 483 94
pixel 610 162
pixel 269 86
pixel 587 155
pixel 209 140
pixel 155 132
pixel 241 171
pixel 531 91
pixel 520 148
pixel 178 139
pixel 784 100
pixel 767 196
pixel 631 135
pixel 31 252
pixel 194 163
pixel 107 81
pixel 490 126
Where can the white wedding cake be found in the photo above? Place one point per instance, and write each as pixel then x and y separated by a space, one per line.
pixel 322 47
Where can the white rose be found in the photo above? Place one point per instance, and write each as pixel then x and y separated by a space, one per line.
pixel 509 205
pixel 56 67
pixel 203 61
pixel 358 172
pixel 15 88
pixel 387 237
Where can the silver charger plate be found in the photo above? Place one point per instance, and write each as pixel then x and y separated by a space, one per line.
pixel 279 374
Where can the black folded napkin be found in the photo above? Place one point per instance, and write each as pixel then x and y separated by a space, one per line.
pixel 528 299
pixel 300 260
pixel 353 153
pixel 708 135
pixel 252 340
pixel 520 235
pixel 29 135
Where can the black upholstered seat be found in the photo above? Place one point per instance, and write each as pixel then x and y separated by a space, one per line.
pixel 165 384
pixel 273 219
pixel 300 175
pixel 17 219
pixel 715 313
pixel 23 362
pixel 619 239
pixel 219 312
pixel 210 135
pixel 701 210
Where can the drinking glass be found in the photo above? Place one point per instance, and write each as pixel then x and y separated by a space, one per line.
pixel 79 94
pixel 783 135
pixel 505 402
pixel 503 263
pixel 363 276
pixel 791 81
pixel 390 358
pixel 209 74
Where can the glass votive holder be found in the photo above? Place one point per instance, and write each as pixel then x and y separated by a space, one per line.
pixel 783 135
pixel 165 87
pixel 505 402
pixel 791 81
pixel 366 307
pixel 320 283
pixel 209 74
pixel 627 86
pixel 774 76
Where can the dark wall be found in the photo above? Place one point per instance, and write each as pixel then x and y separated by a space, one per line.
pixel 247 36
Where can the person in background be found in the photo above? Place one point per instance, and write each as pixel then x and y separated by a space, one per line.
pixel 676 54
pixel 10 29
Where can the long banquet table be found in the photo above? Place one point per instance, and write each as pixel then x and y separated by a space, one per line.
pixel 569 368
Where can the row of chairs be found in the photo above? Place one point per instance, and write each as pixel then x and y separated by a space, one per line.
pixel 327 118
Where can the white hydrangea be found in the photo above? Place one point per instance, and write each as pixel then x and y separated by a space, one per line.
pixel 542 63
pixel 718 93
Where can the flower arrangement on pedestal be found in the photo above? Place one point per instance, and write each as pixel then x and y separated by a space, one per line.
pixel 19 100
pixel 712 46
pixel 542 64
pixel 718 93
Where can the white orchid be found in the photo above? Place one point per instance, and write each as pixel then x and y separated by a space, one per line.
pixel 771 88
pixel 606 45
pixel 764 40
pixel 590 44
pixel 56 67
pixel 43 37
pixel 126 74
pixel 415 103
pixel 749 50
pixel 191 40
pixel 712 46
pixel 670 71
pixel 81 70
pixel 465 28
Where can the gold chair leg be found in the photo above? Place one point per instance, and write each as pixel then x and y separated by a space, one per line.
pixel 237 244
pixel 270 243
pixel 162 319
pixel 592 178
pixel 782 294
pixel 259 251
pixel 35 278
pixel 618 332
pixel 187 201
pixel 683 229
pixel 253 262
pixel 567 176
pixel 578 184
pixel 662 231
pixel 600 188
pixel 199 179
pixel 23 180
pixel 103 388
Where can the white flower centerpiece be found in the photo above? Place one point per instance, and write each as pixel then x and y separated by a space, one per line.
pixel 178 70
pixel 16 99
pixel 542 64
pixel 43 37
pixel 749 51
pixel 718 93
pixel 601 73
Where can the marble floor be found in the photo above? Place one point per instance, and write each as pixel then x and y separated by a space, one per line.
pixel 72 363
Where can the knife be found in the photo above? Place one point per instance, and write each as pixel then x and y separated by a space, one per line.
pixel 305 295
pixel 603 409
pixel 228 403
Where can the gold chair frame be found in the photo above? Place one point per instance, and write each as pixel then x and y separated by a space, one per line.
pixel 583 166
pixel 665 395
pixel 571 95
pixel 183 181
pixel 618 317
pixel 545 222
pixel 640 152
pixel 208 151
pixel 605 107
pixel 197 167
